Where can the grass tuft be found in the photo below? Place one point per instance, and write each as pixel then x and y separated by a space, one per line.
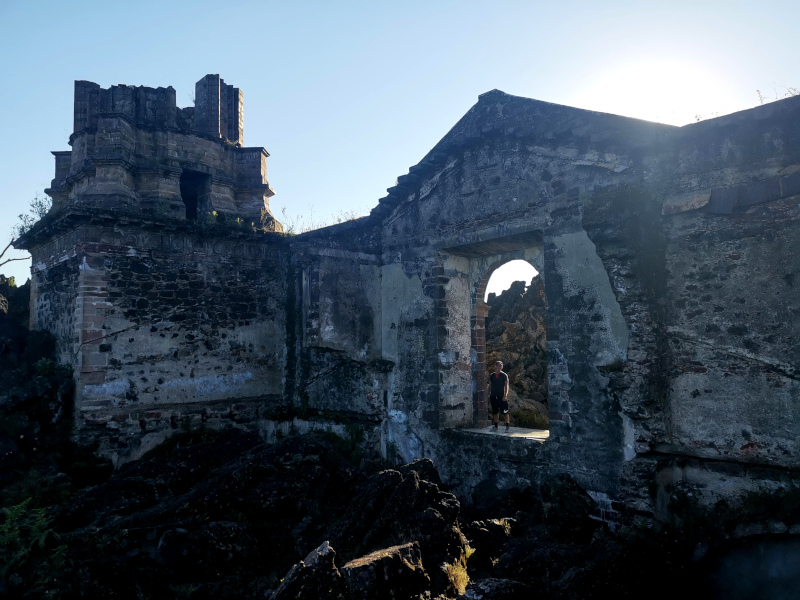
pixel 457 575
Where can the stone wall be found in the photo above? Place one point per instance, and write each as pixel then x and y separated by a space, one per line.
pixel 161 326
pixel 601 205
pixel 668 259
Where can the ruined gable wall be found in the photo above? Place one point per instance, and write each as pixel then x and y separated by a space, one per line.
pixel 615 204
pixel 511 179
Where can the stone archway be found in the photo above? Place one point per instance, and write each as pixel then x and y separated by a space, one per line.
pixel 516 334
pixel 478 337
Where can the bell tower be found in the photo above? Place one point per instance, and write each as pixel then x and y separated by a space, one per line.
pixel 160 268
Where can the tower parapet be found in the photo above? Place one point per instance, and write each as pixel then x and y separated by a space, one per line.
pixel 135 151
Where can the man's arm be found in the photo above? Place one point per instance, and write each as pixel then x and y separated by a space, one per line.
pixel 505 390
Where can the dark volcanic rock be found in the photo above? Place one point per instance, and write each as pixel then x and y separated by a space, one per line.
pixel 550 534
pixel 314 578
pixel 193 516
pixel 567 509
pixel 497 589
pixel 488 540
pixel 395 572
pixel 222 515
pixel 395 508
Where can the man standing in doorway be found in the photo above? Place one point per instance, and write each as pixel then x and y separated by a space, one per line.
pixel 498 394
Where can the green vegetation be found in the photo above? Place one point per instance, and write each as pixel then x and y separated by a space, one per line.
pixel 38 208
pixel 29 545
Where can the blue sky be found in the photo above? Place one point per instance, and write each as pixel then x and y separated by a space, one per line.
pixel 346 96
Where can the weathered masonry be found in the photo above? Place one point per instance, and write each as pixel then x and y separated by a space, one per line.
pixel 158 308
pixel 669 257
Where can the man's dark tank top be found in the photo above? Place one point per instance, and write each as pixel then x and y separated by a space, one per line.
pixel 498 381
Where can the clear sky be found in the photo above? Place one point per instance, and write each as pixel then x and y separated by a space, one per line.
pixel 346 96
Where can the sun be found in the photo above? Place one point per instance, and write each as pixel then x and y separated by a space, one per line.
pixel 672 91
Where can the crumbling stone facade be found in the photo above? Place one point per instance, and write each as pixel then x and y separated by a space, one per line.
pixel 149 273
pixel 668 255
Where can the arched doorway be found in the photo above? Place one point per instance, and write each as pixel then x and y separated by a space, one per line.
pixel 509 326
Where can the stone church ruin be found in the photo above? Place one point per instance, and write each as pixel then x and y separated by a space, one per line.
pixel 668 256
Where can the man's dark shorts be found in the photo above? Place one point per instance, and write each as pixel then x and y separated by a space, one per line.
pixel 498 405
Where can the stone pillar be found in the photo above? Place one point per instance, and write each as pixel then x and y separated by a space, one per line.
pixel 478 335
pixel 207 105
pixel 238 116
pixel 85 111
pixel 57 190
pixel 91 308
pixel 253 190
pixel 230 113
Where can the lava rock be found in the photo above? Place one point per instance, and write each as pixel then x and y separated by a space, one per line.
pixel 313 578
pixel 395 572
pixel 497 589
pixel 567 509
pixel 488 540
pixel 395 508
pixel 204 510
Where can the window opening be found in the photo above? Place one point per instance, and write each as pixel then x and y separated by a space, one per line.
pixel 195 188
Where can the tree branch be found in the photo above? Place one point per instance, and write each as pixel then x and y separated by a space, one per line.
pixel 8 260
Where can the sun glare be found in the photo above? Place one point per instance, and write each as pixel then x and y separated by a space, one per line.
pixel 673 91
pixel 504 276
